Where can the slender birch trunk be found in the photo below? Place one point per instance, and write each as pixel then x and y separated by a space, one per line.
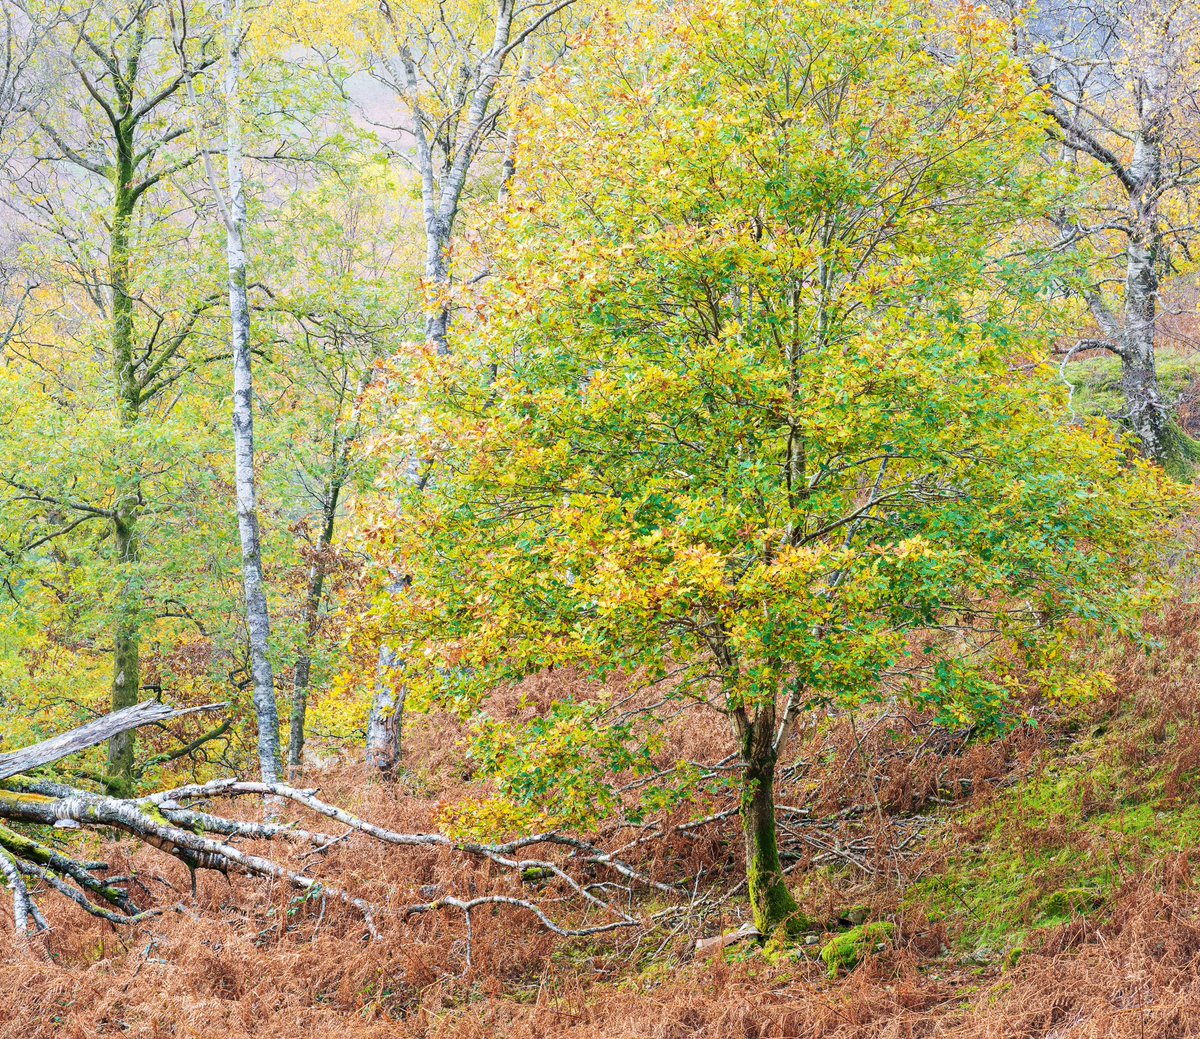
pixel 258 624
pixel 442 185
pixel 386 723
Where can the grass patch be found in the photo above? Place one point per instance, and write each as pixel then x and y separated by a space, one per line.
pixel 1055 846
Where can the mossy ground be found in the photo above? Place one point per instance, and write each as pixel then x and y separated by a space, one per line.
pixel 1097 382
pixel 1097 392
pixel 1057 845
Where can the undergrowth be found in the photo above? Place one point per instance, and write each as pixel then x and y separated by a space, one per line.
pixel 1039 885
pixel 1056 846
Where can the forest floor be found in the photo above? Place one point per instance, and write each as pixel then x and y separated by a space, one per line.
pixel 1041 886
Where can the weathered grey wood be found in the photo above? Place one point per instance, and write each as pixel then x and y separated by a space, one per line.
pixel 92 734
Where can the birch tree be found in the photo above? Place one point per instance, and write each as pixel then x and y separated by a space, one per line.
pixel 1120 83
pixel 232 208
pixel 452 68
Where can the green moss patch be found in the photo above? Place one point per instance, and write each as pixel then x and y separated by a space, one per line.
pixel 845 951
pixel 1097 382
pixel 1054 847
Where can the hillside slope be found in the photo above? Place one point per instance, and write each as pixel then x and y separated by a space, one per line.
pixel 1042 886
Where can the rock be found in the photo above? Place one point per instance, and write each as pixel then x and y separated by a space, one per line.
pixel 1069 901
pixel 855 915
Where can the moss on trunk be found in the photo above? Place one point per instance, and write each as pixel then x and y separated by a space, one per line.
pixel 770 900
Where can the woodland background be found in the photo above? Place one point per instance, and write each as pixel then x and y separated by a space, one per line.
pixel 685 512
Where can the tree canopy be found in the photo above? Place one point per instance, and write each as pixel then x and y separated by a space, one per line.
pixel 744 414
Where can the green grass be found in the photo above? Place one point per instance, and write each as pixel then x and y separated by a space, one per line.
pixel 1097 382
pixel 1057 845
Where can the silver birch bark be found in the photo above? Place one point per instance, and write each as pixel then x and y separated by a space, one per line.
pixel 386 723
pixel 258 623
pixel 1149 414
pixel 442 183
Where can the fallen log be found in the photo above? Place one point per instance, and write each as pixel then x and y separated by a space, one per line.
pixel 93 734
pixel 707 947
pixel 181 822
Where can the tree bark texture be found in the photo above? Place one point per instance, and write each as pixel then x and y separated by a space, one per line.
pixel 106 727
pixel 770 901
pixel 386 723
pixel 258 624
pixel 126 630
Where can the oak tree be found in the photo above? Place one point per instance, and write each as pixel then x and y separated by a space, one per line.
pixel 747 416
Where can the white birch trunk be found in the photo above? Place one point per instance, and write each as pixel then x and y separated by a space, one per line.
pixel 441 197
pixel 1149 414
pixel 386 723
pixel 258 624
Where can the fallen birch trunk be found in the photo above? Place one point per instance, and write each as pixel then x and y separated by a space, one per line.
pixel 93 734
pixel 180 822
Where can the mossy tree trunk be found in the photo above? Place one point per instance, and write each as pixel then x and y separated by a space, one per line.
pixel 770 900
pixel 126 620
pixel 123 136
pixel 126 662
